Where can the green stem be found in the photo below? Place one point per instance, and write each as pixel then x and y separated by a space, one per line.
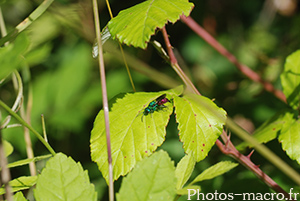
pixel 24 123
pixel 25 23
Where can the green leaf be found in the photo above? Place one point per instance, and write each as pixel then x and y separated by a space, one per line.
pixel 20 183
pixel 200 123
pixel 290 137
pixel 133 135
pixel 268 131
pixel 187 189
pixel 290 79
pixel 19 197
pixel 152 179
pixel 12 55
pixel 64 179
pixel 135 25
pixel 184 170
pixel 8 148
pixel 215 170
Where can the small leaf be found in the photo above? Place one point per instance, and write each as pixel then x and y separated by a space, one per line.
pixel 8 148
pixel 19 197
pixel 187 189
pixel 290 137
pixel 133 135
pixel 64 179
pixel 20 183
pixel 135 25
pixel 152 179
pixel 268 131
pixel 290 79
pixel 215 170
pixel 200 124
pixel 184 170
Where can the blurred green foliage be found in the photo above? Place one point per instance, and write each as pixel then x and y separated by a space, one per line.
pixel 66 88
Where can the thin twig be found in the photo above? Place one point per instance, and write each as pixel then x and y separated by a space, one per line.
pixel 104 99
pixel 190 86
pixel 223 51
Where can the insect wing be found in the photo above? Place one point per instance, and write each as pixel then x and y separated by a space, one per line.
pixel 158 100
pixel 105 35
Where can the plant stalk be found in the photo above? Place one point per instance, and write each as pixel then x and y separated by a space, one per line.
pixel 104 100
pixel 24 123
pixel 190 86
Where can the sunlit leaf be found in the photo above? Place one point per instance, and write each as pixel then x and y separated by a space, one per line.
pixel 152 179
pixel 290 137
pixel 133 135
pixel 20 183
pixel 19 197
pixel 290 79
pixel 64 179
pixel 268 131
pixel 135 25
pixel 187 189
pixel 215 170
pixel 184 170
pixel 200 123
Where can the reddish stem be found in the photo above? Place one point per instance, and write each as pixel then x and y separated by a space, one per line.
pixel 223 51
pixel 229 149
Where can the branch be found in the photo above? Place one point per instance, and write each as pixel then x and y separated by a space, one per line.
pixel 229 149
pixel 190 86
pixel 223 51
